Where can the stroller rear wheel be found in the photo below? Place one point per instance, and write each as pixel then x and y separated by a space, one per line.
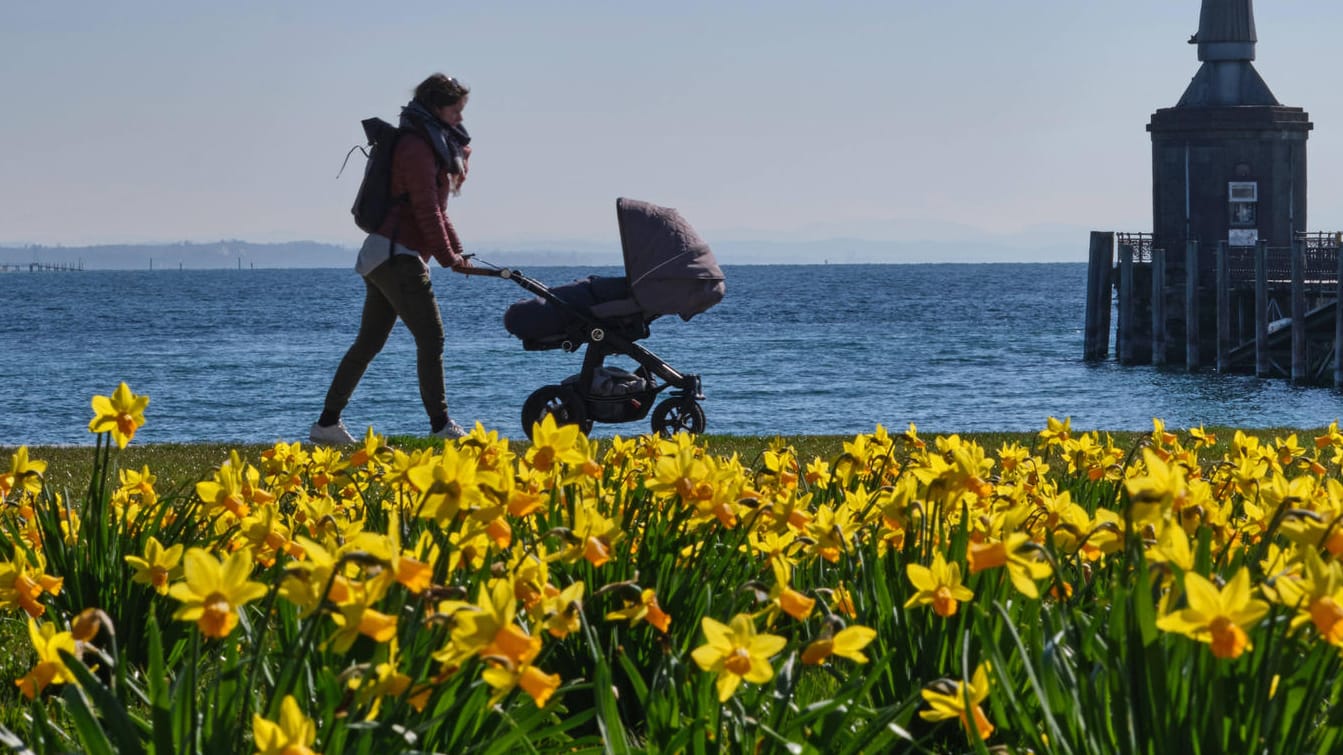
pixel 560 401
pixel 678 415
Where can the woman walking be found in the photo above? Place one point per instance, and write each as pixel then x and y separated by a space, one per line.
pixel 429 163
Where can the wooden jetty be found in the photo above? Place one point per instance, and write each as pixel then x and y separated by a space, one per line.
pixel 1226 280
pixel 1274 312
pixel 34 267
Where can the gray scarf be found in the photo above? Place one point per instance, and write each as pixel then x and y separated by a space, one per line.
pixel 446 140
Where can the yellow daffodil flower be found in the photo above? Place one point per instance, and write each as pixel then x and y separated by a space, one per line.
pixel 1288 450
pixel 554 444
pixel 23 474
pixel 1217 617
pixel 646 609
pixel 938 585
pixel 1154 494
pixel 448 484
pixel 49 669
pixel 846 643
pixel 158 566
pixel 21 583
pixel 562 611
pixel 1160 437
pixel 1204 439
pixel 370 686
pixel 121 414
pixel 306 580
pixel 293 734
pixel 947 700
pixel 503 675
pixel 235 489
pixel 531 575
pixel 1172 547
pixel 817 472
pixel 783 597
pixel 283 464
pixel 594 535
pixel 1317 596
pixel 842 601
pixel 1056 431
pixel 359 618
pixel 486 627
pixel 832 531
pixel 683 473
pixel 735 652
pixel 415 574
pixel 215 591
pixel 373 447
pixel 1021 557
pixel 325 466
pixel 265 532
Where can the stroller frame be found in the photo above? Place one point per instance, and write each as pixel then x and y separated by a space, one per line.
pixel 574 402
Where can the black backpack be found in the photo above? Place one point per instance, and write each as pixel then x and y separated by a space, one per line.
pixel 374 198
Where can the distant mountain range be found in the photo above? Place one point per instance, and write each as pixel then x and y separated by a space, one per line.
pixel 1056 245
pixel 250 255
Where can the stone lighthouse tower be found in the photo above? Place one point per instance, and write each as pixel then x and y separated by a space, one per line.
pixel 1228 166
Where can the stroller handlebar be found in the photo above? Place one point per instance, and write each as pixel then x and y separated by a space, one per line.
pixel 516 276
pixel 487 269
pixel 494 273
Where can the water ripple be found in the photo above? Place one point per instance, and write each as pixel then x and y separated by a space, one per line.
pixel 245 356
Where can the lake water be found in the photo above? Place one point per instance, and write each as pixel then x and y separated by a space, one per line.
pixel 246 355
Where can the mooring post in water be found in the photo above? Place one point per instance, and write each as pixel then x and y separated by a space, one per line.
pixel 1126 324
pixel 1158 306
pixel 1338 313
pixel 1261 309
pixel 1300 368
pixel 1100 265
pixel 1223 309
pixel 1191 305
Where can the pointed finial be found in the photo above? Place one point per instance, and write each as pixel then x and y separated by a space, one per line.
pixel 1226 30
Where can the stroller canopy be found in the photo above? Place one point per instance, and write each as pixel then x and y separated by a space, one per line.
pixel 670 269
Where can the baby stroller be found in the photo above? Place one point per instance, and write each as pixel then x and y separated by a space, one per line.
pixel 669 270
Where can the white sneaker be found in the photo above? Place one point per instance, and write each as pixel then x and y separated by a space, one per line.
pixel 450 431
pixel 334 435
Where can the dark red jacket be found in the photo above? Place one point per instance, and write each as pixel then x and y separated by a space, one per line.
pixel 422 223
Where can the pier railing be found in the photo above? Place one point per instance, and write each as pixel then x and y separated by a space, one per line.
pixel 1319 264
pixel 1267 304
pixel 1140 243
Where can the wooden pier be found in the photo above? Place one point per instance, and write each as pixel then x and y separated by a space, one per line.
pixel 1274 312
pixel 34 267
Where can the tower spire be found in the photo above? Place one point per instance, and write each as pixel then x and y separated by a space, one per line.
pixel 1226 41
pixel 1226 30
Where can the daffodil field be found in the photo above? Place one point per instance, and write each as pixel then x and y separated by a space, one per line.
pixel 647 595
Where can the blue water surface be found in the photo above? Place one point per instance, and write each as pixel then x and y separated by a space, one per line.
pixel 246 355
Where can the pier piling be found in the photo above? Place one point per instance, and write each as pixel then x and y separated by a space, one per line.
pixel 1300 366
pixel 1126 333
pixel 1158 306
pixel 1261 309
pixel 1338 323
pixel 1223 310
pixel 1099 271
pixel 1191 308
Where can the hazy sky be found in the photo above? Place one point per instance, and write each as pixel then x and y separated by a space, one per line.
pixel 161 121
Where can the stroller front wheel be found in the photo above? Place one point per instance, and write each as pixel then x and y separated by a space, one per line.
pixel 678 414
pixel 560 401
